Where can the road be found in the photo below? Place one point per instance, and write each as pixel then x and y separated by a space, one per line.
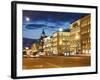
pixel 56 62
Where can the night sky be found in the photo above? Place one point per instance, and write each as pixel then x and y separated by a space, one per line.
pixel 35 21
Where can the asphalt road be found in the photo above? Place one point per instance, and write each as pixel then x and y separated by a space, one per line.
pixel 56 62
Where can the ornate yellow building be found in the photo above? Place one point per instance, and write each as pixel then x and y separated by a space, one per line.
pixel 85 29
pixel 34 47
pixel 75 38
pixel 61 42
pixel 80 40
pixel 58 44
pixel 47 46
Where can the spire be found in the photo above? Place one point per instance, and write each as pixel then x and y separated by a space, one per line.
pixel 43 33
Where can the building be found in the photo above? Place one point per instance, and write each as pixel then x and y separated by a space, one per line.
pixel 41 41
pixel 80 40
pixel 75 44
pixel 54 42
pixel 48 46
pixel 85 28
pixel 34 48
pixel 58 44
pixel 65 46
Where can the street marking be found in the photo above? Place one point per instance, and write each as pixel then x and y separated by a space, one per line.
pixel 38 66
pixel 53 64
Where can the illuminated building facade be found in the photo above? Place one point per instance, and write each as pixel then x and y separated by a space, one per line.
pixel 34 48
pixel 85 34
pixel 55 43
pixel 75 44
pixel 41 41
pixel 58 44
pixel 47 46
pixel 61 42
pixel 65 48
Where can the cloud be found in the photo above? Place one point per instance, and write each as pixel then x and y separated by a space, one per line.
pixel 34 26
pixel 38 26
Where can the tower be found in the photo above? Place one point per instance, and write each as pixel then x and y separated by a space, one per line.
pixel 41 40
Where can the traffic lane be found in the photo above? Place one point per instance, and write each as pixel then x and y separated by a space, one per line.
pixel 71 61
pixel 36 63
pixel 54 62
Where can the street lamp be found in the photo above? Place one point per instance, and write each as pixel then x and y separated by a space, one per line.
pixel 77 37
pixel 26 48
pixel 60 39
pixel 60 42
pixel 49 45
pixel 60 29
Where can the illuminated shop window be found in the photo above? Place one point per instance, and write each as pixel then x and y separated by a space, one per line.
pixel 89 51
pixel 86 51
pixel 83 51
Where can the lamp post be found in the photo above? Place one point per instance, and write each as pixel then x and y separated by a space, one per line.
pixel 60 39
pixel 51 41
pixel 49 45
pixel 77 37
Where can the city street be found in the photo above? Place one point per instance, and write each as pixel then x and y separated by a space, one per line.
pixel 56 62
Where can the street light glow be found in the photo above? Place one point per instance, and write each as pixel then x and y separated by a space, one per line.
pixel 60 29
pixel 60 42
pixel 77 37
pixel 26 48
pixel 48 37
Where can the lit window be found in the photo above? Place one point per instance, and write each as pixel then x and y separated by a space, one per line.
pixel 86 51
pixel 88 30
pixel 83 51
pixel 89 51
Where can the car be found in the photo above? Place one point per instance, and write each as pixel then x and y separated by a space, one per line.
pixel 66 54
pixel 34 56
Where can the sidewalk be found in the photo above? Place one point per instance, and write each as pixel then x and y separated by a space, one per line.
pixel 82 55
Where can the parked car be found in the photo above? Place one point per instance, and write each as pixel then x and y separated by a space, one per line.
pixel 35 56
pixel 66 54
